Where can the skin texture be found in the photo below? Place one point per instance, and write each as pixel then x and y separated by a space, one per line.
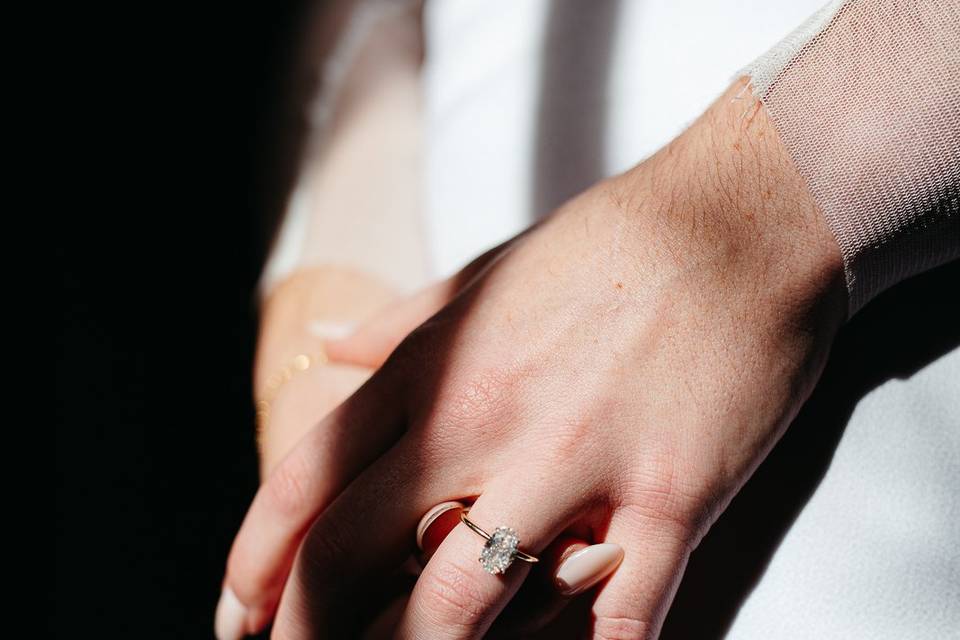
pixel 336 296
pixel 620 369
pixel 324 296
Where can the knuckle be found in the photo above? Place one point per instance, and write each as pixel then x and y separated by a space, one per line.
pixel 474 398
pixel 655 512
pixel 454 597
pixel 247 576
pixel 656 493
pixel 469 405
pixel 287 490
pixel 575 432
pixel 660 506
pixel 613 627
pixel 571 442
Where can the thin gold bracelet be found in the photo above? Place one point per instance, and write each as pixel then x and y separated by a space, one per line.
pixel 275 382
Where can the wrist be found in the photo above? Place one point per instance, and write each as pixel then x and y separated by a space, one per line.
pixel 729 192
pixel 308 306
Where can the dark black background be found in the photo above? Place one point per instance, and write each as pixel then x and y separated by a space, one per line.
pixel 177 112
pixel 183 123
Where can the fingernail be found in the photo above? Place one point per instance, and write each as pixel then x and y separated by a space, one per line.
pixel 230 621
pixel 331 330
pixel 431 516
pixel 587 567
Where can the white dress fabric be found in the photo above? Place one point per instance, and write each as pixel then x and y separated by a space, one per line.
pixel 513 116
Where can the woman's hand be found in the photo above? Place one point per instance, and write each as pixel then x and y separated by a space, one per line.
pixel 294 380
pixel 620 369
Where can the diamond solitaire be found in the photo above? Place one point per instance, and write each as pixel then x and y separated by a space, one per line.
pixel 500 550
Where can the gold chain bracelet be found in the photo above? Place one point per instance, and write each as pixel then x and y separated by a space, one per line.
pixel 275 382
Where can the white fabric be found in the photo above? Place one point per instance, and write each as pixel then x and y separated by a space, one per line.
pixel 360 161
pixel 765 69
pixel 876 551
pixel 480 93
pixel 288 251
pixel 482 75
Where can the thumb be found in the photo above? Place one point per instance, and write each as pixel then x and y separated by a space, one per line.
pixel 371 342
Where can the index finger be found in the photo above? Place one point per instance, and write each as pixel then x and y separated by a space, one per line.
pixel 319 467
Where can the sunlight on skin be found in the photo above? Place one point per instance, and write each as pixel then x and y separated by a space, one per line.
pixel 708 291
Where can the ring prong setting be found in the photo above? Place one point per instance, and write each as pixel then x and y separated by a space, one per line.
pixel 500 550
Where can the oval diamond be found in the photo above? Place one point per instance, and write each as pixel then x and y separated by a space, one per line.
pixel 499 551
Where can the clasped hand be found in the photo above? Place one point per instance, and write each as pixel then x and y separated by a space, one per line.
pixel 617 370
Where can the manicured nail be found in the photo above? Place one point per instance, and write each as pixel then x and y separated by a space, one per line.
pixel 331 330
pixel 587 567
pixel 230 621
pixel 431 516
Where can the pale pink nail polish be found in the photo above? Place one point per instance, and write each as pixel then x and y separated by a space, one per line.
pixel 587 567
pixel 230 621
pixel 431 516
pixel 332 330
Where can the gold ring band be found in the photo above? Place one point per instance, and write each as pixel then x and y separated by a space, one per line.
pixel 501 547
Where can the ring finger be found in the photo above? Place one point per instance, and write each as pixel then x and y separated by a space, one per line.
pixel 569 566
pixel 364 534
pixel 455 597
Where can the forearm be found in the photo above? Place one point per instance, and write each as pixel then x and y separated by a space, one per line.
pixel 355 203
pixel 310 305
pixel 728 184
pixel 351 236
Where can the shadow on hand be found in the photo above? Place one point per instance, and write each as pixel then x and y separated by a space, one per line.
pixel 896 335
pixel 899 333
